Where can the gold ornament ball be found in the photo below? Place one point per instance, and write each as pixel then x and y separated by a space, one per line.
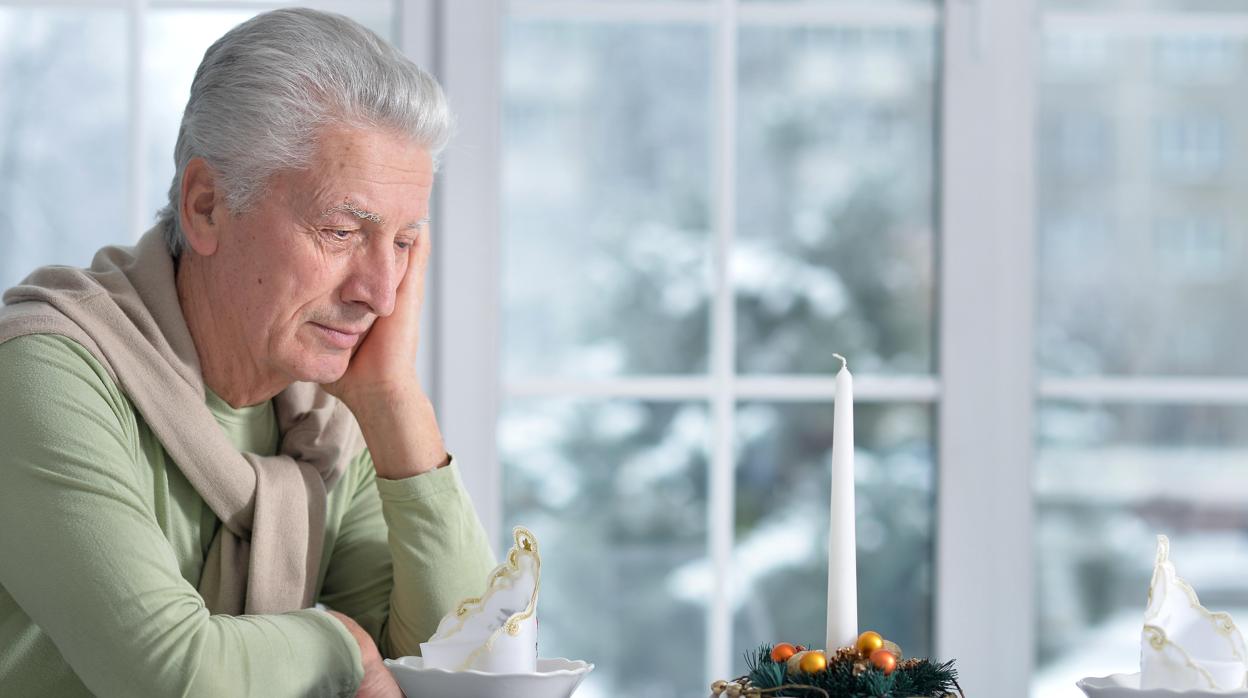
pixel 869 642
pixel 813 662
pixel 781 652
pixel 895 649
pixel 884 660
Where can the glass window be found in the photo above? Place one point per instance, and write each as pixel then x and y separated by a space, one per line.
pixel 1139 176
pixel 1164 5
pixel 606 199
pixel 66 180
pixel 1141 267
pixel 783 483
pixel 175 44
pixel 1191 148
pixel 610 131
pixel 1075 56
pixel 836 155
pixel 842 2
pixel 616 492
pixel 1195 60
pixel 1109 479
pixel 63 137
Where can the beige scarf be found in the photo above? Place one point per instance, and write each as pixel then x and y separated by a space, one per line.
pixel 124 309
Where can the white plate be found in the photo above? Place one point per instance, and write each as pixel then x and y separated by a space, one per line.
pixel 1128 686
pixel 555 678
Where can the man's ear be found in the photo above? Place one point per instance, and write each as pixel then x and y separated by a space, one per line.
pixel 202 207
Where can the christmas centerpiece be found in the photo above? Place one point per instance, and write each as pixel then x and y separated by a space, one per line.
pixel 853 664
pixel 872 667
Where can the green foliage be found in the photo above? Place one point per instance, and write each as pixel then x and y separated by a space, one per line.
pixel 764 673
pixel 911 678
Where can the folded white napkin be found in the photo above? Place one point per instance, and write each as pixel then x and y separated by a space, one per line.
pixel 496 633
pixel 1184 646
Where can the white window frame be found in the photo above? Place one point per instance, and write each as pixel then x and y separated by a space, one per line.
pixel 984 553
pixel 982 595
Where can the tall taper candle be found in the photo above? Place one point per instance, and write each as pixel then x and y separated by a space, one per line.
pixel 842 541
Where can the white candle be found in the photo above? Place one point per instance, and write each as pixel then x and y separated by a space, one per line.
pixel 842 548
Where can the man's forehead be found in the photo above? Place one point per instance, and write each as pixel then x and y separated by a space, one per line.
pixel 353 207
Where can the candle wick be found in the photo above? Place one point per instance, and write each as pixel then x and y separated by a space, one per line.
pixel 844 363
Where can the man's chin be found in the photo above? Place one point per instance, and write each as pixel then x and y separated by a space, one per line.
pixel 322 369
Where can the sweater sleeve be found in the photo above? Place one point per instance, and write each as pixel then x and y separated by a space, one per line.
pixel 408 551
pixel 83 555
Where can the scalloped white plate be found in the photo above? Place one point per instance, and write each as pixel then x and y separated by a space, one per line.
pixel 555 678
pixel 1128 686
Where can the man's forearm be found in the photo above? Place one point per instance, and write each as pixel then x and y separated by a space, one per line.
pixel 401 431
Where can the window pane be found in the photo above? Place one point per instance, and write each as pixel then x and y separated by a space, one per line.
pixel 783 492
pixel 844 2
pixel 1142 218
pixel 835 199
pixel 1198 5
pixel 606 192
pixel 175 44
pixel 616 492
pixel 63 137
pixel 374 14
pixel 1109 479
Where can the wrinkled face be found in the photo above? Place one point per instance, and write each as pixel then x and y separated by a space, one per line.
pixel 318 258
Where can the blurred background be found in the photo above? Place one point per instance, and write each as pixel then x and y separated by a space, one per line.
pixel 672 213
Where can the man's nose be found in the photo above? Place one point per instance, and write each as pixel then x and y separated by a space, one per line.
pixel 373 281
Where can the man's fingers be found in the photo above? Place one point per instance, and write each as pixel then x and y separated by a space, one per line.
pixel 417 262
pixel 424 245
pixel 414 280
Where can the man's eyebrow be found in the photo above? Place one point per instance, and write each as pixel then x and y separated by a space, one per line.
pixel 354 209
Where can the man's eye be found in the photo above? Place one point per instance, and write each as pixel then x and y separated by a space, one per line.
pixel 340 235
pixel 402 244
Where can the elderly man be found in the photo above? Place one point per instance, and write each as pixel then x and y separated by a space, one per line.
pixel 207 434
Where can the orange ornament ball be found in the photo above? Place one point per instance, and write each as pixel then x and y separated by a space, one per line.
pixel 813 663
pixel 869 642
pixel 884 660
pixel 781 652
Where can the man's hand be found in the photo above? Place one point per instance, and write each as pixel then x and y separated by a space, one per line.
pixel 377 683
pixel 385 362
pixel 381 388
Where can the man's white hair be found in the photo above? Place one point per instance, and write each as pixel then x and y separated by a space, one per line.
pixel 264 90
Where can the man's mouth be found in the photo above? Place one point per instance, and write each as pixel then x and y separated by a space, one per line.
pixel 340 338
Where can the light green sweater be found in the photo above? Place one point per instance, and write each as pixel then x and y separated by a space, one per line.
pixel 102 541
